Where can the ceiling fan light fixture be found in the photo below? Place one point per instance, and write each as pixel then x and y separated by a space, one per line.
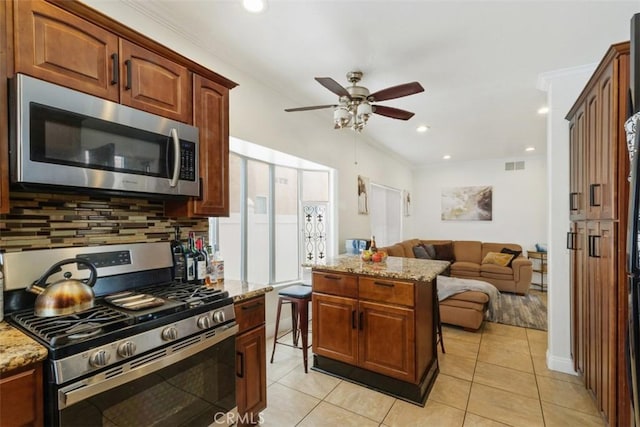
pixel 364 111
pixel 341 117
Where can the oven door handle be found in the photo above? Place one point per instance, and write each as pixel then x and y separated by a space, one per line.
pixel 99 383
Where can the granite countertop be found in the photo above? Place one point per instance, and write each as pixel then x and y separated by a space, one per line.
pixel 17 349
pixel 241 292
pixel 420 270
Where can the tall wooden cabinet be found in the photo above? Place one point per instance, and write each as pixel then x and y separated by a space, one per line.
pixel 599 166
pixel 70 44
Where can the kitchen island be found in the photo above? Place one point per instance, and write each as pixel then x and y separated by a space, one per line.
pixel 375 323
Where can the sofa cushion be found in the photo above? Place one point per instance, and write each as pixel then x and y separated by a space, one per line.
pixel 496 271
pixel 503 260
pixel 470 267
pixel 407 247
pixel 395 250
pixel 497 247
pixel 420 252
pixel 444 252
pixel 431 250
pixel 515 254
pixel 471 296
pixel 468 250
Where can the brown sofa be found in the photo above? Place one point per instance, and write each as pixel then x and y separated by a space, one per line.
pixel 467 309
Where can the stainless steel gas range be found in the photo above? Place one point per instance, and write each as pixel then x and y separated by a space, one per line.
pixel 151 351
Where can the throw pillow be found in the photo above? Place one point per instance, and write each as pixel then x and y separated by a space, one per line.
pixel 444 252
pixel 431 251
pixel 515 254
pixel 497 259
pixel 420 252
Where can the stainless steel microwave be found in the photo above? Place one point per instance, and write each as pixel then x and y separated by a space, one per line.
pixel 60 137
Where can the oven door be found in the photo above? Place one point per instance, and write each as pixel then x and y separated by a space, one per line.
pixel 190 383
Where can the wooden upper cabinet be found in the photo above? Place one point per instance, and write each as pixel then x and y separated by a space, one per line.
pixel 577 159
pixel 56 46
pixel 155 84
pixel 211 116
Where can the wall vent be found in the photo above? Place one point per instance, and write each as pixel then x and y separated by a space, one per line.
pixel 514 166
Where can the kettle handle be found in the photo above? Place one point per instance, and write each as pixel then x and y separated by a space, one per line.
pixel 42 281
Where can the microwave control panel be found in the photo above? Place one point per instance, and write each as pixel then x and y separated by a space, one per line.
pixel 187 161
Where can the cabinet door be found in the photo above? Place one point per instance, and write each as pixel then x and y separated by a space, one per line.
pixel 21 398
pixel 577 165
pixel 4 113
pixel 59 47
pixel 578 244
pixel 594 149
pixel 593 312
pixel 251 373
pixel 604 191
pixel 387 340
pixel 605 250
pixel 155 84
pixel 335 327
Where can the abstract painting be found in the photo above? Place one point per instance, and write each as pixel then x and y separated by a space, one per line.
pixel 466 204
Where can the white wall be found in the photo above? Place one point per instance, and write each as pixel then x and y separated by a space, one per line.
pixel 519 201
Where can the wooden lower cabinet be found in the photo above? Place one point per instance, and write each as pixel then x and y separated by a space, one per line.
pixel 21 398
pixel 251 360
pixel 378 325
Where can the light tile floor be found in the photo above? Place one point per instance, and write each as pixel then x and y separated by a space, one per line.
pixel 494 377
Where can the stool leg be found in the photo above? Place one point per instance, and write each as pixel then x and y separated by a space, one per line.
pixel 294 322
pixel 275 335
pixel 304 330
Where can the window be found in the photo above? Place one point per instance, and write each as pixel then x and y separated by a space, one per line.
pixel 386 214
pixel 264 238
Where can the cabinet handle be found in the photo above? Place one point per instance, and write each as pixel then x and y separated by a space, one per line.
pixel 589 246
pixel 592 195
pixel 127 65
pixel 596 247
pixel 361 320
pixel 572 199
pixel 240 365
pixel 353 319
pixel 327 276
pixel 569 240
pixel 252 306
pixel 385 284
pixel 115 69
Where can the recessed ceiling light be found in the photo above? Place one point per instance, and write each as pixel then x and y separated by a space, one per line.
pixel 254 6
pixel 422 128
pixel 530 149
pixel 446 157
pixel 543 110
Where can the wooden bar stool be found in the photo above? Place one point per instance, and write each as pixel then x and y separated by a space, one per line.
pixel 299 296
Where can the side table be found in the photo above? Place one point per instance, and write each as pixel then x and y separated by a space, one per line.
pixel 539 260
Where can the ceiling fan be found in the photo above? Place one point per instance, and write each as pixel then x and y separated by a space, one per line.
pixel 355 104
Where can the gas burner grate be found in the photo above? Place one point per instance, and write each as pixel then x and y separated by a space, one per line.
pixel 193 295
pixel 60 330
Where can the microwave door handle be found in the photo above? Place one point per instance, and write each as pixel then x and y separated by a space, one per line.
pixel 176 158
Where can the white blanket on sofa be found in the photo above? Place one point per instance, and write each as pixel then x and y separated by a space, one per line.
pixel 448 286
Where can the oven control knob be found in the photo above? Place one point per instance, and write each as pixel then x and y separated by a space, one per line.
pixel 99 358
pixel 127 349
pixel 204 322
pixel 170 333
pixel 218 316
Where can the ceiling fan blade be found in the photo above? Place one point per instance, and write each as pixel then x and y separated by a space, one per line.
pixel 394 113
pixel 396 91
pixel 333 86
pixel 313 107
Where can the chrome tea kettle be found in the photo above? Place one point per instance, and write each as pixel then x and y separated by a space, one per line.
pixel 65 296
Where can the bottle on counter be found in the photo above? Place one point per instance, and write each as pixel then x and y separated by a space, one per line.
pixel 219 265
pixel 190 260
pixel 212 274
pixel 374 248
pixel 201 262
pixel 177 251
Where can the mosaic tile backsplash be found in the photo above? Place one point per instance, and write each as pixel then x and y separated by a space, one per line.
pixel 42 220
